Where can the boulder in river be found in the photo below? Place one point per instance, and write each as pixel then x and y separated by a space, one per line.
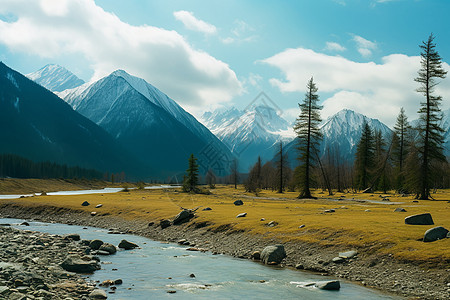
pixel 98 294
pixel 124 244
pixel 332 285
pixel 238 202
pixel 95 244
pixel 85 203
pixel 420 219
pixel 184 216
pixel 74 263
pixel 25 224
pixel 275 253
pixel 434 234
pixel 111 249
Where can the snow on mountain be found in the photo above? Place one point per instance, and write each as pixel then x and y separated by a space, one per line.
pixel 55 78
pixel 149 122
pixel 341 133
pixel 249 133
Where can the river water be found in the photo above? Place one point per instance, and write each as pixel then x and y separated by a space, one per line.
pixel 155 268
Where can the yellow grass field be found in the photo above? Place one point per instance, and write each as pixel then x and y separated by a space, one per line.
pixel 370 225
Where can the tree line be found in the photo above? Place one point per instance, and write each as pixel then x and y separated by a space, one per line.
pixel 15 166
pixel 410 161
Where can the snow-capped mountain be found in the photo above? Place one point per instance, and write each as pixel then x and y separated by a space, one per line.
pixel 249 133
pixel 341 133
pixel 55 78
pixel 42 127
pixel 149 123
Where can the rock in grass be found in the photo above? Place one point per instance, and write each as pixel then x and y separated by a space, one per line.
pixel 238 202
pixel 207 208
pixel 333 285
pixel 74 263
pixel 399 209
pixel 98 294
pixel 124 244
pixel 184 216
pixel 98 205
pixel 434 234
pixel 275 253
pixel 85 203
pixel 420 219
pixel 241 215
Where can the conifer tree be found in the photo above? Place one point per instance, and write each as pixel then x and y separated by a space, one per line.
pixel 308 135
pixel 431 134
pixel 281 163
pixel 190 181
pixel 401 144
pixel 364 161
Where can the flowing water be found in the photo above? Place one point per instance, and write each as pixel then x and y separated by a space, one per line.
pixel 155 268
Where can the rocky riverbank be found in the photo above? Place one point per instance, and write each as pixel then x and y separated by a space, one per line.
pixel 364 266
pixel 30 266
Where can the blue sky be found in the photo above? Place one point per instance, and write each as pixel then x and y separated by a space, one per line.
pixel 209 54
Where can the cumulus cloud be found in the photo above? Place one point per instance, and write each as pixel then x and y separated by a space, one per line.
pixel 365 47
pixel 56 28
pixel 377 90
pixel 192 23
pixel 333 46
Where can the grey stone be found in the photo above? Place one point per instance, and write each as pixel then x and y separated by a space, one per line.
pixel 420 219
pixel 183 217
pixel 4 290
pixel 399 209
pixel 434 234
pixel 72 236
pixel 76 264
pixel 98 294
pixel 348 254
pixel 241 215
pixel 333 285
pixel 111 249
pixel 207 208
pixel 85 203
pixel 165 223
pixel 256 255
pixel 338 260
pixel 273 254
pixel 98 205
pixel 238 202
pixel 95 244
pixel 127 245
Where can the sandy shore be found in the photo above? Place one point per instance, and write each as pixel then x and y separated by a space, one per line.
pixel 367 268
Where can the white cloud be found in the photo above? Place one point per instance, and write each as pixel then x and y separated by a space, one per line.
pixel 333 46
pixel 162 57
pixel 377 90
pixel 241 32
pixel 192 23
pixel 365 47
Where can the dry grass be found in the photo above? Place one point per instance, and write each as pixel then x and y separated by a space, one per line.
pixel 379 229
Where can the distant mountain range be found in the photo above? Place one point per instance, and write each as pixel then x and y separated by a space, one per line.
pixel 38 125
pixel 55 78
pixel 249 133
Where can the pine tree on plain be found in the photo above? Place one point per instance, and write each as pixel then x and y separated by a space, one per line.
pixel 309 136
pixel 401 144
pixel 190 181
pixel 365 157
pixel 431 134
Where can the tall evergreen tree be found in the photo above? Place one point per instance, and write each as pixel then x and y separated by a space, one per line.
pixel 431 134
pixel 190 181
pixel 308 135
pixel 401 144
pixel 364 161
pixel 281 163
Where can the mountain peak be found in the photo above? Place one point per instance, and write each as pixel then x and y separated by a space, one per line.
pixel 55 78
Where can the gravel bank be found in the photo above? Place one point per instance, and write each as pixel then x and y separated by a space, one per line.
pixel 366 268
